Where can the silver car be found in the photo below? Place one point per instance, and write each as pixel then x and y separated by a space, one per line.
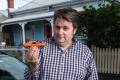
pixel 11 68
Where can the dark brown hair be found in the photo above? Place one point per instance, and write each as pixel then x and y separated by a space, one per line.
pixel 68 14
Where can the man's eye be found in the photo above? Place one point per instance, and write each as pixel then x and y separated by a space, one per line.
pixel 65 28
pixel 57 27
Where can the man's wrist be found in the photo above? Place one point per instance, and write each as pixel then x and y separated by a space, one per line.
pixel 32 66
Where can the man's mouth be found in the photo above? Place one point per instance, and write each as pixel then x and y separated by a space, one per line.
pixel 60 37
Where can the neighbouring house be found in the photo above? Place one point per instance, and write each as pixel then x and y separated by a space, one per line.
pixel 35 19
pixel 3 16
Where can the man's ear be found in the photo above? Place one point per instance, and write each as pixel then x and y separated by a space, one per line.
pixel 74 31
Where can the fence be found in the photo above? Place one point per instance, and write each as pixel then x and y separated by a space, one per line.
pixel 14 48
pixel 107 60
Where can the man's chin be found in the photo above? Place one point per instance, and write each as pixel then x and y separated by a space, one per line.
pixel 61 44
pixel 60 41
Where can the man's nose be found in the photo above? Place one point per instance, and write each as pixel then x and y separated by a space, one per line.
pixel 60 31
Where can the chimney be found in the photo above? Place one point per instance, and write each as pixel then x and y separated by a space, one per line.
pixel 10 3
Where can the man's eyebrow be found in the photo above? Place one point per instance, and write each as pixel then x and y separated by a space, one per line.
pixel 66 26
pixel 56 25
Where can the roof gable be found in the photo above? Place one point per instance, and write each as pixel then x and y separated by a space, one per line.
pixel 40 3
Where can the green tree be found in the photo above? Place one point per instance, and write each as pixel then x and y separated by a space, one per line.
pixel 101 26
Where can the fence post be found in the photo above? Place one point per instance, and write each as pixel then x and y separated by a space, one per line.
pixel 118 66
pixel 23 54
pixel 109 59
pixel 115 60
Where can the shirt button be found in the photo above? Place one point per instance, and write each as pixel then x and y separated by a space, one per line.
pixel 62 64
pixel 61 72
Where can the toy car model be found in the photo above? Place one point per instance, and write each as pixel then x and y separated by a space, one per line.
pixel 33 43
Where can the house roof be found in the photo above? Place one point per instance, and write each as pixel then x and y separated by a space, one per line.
pixel 41 16
pixel 4 12
pixel 40 3
pixel 27 18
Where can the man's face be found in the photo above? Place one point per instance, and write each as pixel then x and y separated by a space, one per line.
pixel 63 31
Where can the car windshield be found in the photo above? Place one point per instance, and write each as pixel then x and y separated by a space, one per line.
pixel 13 67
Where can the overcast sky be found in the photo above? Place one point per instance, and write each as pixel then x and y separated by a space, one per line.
pixel 17 3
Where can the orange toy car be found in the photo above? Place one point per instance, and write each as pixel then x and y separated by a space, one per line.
pixel 29 44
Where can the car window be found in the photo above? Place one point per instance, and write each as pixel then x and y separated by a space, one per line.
pixel 13 66
pixel 5 75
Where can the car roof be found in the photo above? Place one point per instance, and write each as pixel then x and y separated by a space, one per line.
pixel 3 54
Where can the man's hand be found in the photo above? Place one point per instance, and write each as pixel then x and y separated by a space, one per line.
pixel 32 57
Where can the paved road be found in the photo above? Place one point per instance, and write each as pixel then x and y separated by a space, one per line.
pixel 109 76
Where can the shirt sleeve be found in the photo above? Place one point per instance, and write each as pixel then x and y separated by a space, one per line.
pixel 91 67
pixel 29 75
pixel 92 72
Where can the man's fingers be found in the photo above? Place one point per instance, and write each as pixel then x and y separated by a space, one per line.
pixel 32 54
pixel 32 51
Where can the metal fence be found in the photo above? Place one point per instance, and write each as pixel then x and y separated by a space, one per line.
pixel 14 48
pixel 107 60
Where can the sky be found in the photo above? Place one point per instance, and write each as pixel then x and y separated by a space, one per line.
pixel 17 3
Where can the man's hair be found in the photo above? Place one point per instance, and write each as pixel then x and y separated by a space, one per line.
pixel 68 14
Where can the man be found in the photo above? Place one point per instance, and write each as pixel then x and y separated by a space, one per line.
pixel 63 57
